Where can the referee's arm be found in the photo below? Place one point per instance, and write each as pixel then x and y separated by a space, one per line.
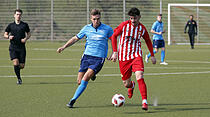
pixel 196 28
pixel 186 27
pixel 6 35
pixel 28 35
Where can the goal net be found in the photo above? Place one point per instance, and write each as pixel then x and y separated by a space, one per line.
pixel 178 15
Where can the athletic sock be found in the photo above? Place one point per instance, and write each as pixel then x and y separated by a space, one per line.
pixel 150 53
pixel 142 88
pixel 80 89
pixel 144 101
pixel 17 71
pixel 162 55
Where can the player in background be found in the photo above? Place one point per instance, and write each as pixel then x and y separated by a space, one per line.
pixel 18 33
pixel 192 30
pixel 129 53
pixel 158 41
pixel 96 48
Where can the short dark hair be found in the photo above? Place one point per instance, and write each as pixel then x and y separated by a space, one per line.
pixel 18 10
pixel 159 14
pixel 95 12
pixel 134 12
pixel 192 15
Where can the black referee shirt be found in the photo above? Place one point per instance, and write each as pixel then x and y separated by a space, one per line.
pixel 192 25
pixel 18 31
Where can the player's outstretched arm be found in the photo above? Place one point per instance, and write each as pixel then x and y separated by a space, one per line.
pixel 68 43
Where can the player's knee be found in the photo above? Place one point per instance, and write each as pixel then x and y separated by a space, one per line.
pixel 15 62
pixel 126 84
pixel 139 75
pixel 155 51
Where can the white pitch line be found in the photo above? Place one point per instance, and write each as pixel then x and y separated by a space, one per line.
pixel 178 73
pixel 204 62
pixel 54 49
pixel 52 59
pixel 109 75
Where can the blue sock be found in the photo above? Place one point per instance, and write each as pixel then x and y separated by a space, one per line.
pixel 80 89
pixel 150 54
pixel 162 55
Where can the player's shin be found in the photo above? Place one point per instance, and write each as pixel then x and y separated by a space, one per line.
pixel 17 71
pixel 80 89
pixel 130 89
pixel 142 88
pixel 162 55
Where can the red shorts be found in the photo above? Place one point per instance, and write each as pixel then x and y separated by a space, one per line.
pixel 129 66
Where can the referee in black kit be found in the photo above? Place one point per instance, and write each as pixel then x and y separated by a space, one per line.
pixel 18 33
pixel 192 31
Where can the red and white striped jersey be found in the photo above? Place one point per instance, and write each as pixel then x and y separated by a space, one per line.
pixel 130 40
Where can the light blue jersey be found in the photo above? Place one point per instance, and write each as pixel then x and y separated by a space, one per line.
pixel 96 39
pixel 157 27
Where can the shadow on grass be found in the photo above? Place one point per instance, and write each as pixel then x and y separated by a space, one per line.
pixel 100 106
pixel 171 108
pixel 162 108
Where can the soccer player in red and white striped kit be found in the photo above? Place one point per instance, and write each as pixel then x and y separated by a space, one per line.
pixel 129 53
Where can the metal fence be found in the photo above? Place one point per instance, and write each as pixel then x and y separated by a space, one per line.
pixel 62 19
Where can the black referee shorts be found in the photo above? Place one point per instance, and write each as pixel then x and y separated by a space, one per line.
pixel 19 54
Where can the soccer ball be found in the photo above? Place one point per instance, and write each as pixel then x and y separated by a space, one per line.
pixel 118 100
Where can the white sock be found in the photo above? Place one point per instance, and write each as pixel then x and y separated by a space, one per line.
pixel 144 101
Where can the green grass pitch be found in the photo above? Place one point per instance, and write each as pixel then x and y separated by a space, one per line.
pixel 181 89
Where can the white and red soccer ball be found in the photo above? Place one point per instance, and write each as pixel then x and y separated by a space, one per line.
pixel 118 100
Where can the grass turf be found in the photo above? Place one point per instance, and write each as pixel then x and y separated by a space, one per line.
pixel 49 81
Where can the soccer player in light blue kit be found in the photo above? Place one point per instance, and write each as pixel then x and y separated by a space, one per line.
pixel 158 41
pixel 96 49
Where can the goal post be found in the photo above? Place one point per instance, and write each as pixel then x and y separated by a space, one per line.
pixel 170 22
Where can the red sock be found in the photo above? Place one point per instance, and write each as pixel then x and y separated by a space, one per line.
pixel 142 88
